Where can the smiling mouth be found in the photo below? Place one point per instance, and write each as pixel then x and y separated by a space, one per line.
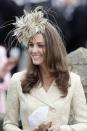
pixel 35 55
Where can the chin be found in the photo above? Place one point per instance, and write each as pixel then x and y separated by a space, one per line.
pixel 36 63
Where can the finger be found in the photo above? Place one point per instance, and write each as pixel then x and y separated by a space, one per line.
pixel 35 129
pixel 53 129
pixel 50 129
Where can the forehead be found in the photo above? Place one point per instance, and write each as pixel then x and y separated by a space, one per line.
pixel 37 38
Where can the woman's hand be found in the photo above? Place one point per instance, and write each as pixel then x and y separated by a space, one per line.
pixel 54 129
pixel 35 129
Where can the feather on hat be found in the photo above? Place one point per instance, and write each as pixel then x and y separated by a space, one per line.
pixel 28 25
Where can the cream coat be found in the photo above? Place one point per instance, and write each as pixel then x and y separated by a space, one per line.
pixel 19 104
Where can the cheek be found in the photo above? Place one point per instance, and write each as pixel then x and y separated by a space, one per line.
pixel 45 55
pixel 44 51
pixel 29 51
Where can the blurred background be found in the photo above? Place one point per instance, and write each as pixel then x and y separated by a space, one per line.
pixel 71 17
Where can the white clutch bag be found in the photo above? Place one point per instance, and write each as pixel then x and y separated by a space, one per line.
pixel 38 116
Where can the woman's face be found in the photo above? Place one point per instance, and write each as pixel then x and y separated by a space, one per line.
pixel 37 50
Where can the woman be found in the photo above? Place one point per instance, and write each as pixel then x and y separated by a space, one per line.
pixel 47 80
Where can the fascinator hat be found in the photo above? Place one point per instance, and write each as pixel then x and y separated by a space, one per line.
pixel 29 24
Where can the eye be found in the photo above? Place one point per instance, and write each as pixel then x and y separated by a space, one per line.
pixel 41 45
pixel 30 45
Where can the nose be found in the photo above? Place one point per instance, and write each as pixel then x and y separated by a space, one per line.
pixel 34 49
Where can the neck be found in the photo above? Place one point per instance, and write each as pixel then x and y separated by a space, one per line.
pixel 45 72
pixel 47 78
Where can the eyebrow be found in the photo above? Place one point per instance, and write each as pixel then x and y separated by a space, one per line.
pixel 37 42
pixel 40 42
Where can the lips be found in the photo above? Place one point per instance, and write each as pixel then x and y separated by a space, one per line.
pixel 36 56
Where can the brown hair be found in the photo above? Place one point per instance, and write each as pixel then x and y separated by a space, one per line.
pixel 56 60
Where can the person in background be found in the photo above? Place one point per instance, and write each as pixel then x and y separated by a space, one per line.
pixel 15 53
pixel 6 64
pixel 47 81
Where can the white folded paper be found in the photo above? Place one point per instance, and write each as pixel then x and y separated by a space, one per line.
pixel 38 116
